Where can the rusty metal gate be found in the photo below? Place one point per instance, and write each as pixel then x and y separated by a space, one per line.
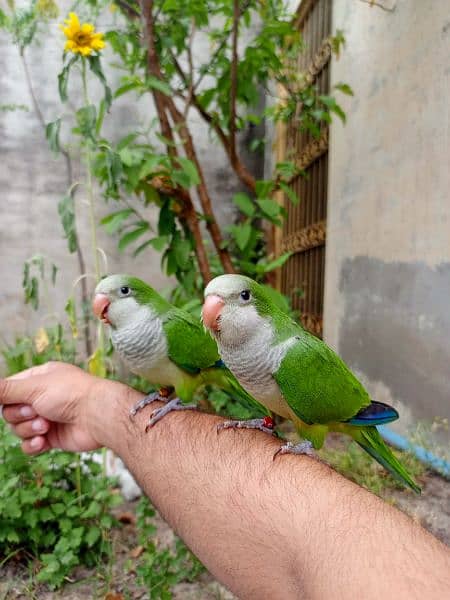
pixel 304 229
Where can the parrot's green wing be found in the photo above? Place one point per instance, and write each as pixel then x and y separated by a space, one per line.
pixel 189 346
pixel 317 384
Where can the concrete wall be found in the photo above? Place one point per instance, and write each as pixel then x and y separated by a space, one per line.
pixel 32 180
pixel 387 299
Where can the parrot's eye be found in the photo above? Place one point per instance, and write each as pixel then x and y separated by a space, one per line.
pixel 124 290
pixel 245 295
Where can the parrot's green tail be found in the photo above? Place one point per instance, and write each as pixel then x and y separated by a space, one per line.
pixel 371 441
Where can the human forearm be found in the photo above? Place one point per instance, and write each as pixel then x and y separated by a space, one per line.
pixel 287 528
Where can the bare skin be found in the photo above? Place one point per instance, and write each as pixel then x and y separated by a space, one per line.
pixel 290 528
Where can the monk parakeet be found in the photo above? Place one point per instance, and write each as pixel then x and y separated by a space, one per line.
pixel 164 344
pixel 293 373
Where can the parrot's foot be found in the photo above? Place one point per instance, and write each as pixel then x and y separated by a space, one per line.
pixel 162 395
pixel 266 425
pixel 174 404
pixel 290 448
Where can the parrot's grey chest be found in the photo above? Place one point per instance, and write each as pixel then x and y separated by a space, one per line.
pixel 253 363
pixel 142 345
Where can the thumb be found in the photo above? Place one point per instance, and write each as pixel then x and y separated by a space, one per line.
pixel 20 391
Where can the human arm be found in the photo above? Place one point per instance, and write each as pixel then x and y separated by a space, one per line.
pixel 289 528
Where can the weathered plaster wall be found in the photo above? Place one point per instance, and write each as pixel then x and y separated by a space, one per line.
pixel 32 181
pixel 387 299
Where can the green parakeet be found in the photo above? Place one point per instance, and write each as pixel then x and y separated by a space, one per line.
pixel 162 343
pixel 293 373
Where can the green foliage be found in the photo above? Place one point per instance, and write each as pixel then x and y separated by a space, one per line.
pixel 54 509
pixel 50 343
pixel 34 271
pixel 160 569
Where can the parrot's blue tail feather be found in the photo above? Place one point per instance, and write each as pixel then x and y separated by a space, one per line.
pixel 377 413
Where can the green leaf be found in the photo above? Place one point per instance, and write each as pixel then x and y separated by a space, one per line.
pixel 333 106
pixel 114 170
pixel 115 220
pixel 100 117
pixel 244 203
pixel 264 188
pixel 154 83
pixel 133 235
pixel 66 211
pixel 269 207
pixel 135 84
pixel 241 234
pixel 63 79
pixel 290 193
pixel 286 169
pixel 92 536
pixel 277 262
pixel 86 118
pixel 70 310
pixel 158 243
pixel 52 134
pixel 344 88
pixel 130 156
pixel 182 252
pixel 96 67
pixel 150 165
pixel 190 169
pixel 166 223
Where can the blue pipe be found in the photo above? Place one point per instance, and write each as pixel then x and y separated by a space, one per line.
pixel 438 464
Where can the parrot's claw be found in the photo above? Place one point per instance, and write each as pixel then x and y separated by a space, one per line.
pixel 290 448
pixel 148 399
pixel 162 395
pixel 174 404
pixel 266 425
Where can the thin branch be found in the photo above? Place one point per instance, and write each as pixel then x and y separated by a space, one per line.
pixel 238 166
pixel 205 200
pixel 129 9
pixel 220 46
pixel 373 3
pixel 191 71
pixel 234 82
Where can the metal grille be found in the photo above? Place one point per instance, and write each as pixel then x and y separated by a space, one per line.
pixel 304 230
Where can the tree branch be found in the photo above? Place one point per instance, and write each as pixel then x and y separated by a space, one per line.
pixel 166 130
pixel 238 166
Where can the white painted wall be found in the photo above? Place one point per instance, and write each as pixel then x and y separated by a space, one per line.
pixel 388 239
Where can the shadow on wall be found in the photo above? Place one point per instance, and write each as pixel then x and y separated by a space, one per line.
pixel 396 329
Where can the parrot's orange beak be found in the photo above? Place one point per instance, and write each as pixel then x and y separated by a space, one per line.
pixel 100 307
pixel 211 312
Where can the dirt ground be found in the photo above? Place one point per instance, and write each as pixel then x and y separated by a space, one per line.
pixel 431 509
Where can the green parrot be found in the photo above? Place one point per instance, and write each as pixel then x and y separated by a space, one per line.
pixel 293 373
pixel 165 345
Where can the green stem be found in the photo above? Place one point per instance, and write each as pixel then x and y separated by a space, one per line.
pixel 90 194
pixel 89 187
pixel 78 479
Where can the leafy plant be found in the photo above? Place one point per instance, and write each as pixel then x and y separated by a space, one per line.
pixel 48 514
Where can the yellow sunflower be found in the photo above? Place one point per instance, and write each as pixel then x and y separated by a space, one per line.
pixel 81 39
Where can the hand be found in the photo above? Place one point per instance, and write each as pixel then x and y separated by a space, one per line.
pixel 49 407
